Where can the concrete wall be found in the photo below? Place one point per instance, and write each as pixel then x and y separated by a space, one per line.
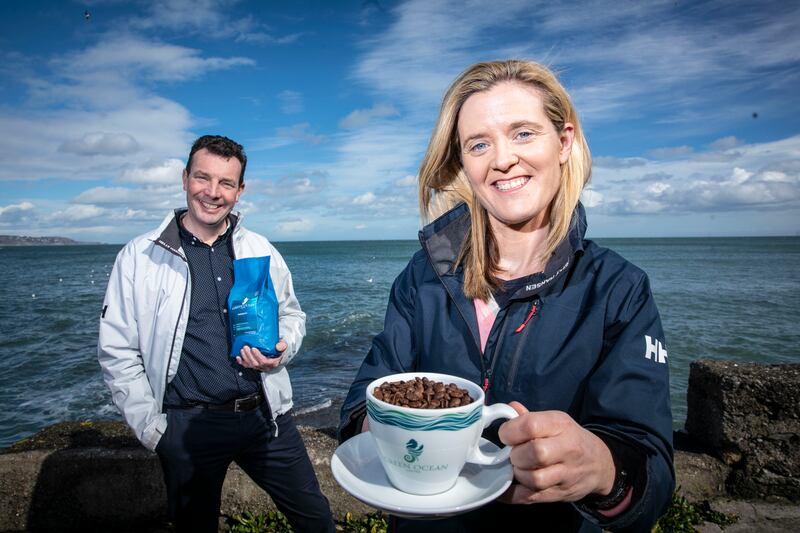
pixel 748 416
pixel 108 482
pixel 743 434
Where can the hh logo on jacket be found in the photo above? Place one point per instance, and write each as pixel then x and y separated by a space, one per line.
pixel 653 349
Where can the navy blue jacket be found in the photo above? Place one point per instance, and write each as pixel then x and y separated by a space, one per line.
pixel 594 348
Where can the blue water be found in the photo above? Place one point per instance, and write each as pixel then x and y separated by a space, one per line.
pixel 727 298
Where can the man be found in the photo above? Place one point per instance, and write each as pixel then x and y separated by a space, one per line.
pixel 164 349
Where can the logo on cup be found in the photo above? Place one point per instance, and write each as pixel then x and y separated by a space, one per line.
pixel 414 451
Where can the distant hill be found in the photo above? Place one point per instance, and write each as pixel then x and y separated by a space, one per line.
pixel 22 240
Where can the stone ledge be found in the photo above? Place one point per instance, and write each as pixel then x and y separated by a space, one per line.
pixel 62 479
pixel 748 415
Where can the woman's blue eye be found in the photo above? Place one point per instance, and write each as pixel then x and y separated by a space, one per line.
pixel 478 147
pixel 525 135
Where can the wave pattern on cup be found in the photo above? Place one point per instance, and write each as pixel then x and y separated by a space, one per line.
pixel 413 422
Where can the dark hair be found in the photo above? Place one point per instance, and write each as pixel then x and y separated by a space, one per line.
pixel 221 146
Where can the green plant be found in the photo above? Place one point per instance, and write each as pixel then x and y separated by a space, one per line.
pixel 247 522
pixel 369 523
pixel 710 515
pixel 682 516
pixel 276 522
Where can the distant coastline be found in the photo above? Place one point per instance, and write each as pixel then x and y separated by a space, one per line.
pixel 24 240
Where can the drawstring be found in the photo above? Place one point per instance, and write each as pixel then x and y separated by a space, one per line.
pixel 527 319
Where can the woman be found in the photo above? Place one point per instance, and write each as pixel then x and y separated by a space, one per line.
pixel 508 293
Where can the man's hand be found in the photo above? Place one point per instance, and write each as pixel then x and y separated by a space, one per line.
pixel 251 357
pixel 554 458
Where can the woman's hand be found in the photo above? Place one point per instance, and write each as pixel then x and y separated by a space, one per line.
pixel 250 357
pixel 554 458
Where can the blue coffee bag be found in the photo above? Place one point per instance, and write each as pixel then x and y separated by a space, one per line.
pixel 253 307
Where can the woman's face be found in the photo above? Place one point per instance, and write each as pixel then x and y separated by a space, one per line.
pixel 512 154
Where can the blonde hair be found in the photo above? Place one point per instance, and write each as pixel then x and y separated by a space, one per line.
pixel 443 183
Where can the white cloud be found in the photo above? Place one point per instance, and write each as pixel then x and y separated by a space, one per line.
pixel 294 226
pixel 408 181
pixel 725 143
pixel 291 102
pixel 378 153
pixel 416 57
pixel 671 152
pixel 762 176
pixel 99 101
pixel 211 18
pixel 295 191
pixel 591 198
pixel 101 143
pixel 14 213
pixel 657 188
pixel 618 162
pixel 78 212
pixel 166 173
pixel 285 136
pixel 134 56
pixel 362 117
pixel 364 199
pixel 150 199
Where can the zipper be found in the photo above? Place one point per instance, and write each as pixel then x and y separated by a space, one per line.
pixel 487 372
pixel 175 331
pixel 528 318
pixel 520 345
pixel 501 337
pixel 177 323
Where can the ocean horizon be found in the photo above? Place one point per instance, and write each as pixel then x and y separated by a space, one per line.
pixel 733 298
pixel 312 241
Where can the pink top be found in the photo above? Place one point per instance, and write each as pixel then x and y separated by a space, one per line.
pixel 486 312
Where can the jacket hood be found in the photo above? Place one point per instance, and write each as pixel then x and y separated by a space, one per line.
pixel 443 238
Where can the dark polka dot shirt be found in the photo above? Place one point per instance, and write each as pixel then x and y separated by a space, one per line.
pixel 206 372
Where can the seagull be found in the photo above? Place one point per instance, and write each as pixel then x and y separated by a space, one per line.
pixel 369 280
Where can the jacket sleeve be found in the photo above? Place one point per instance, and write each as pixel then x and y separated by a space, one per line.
pixel 291 318
pixel 120 358
pixel 393 351
pixel 628 398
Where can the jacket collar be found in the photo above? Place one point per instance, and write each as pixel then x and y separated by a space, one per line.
pixel 443 238
pixel 168 233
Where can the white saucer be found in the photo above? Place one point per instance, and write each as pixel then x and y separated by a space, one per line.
pixel 358 470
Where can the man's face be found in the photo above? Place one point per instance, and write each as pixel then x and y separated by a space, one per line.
pixel 212 190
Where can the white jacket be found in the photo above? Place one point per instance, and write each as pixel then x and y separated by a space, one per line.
pixel 144 319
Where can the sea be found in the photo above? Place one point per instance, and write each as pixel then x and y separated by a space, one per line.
pixel 736 299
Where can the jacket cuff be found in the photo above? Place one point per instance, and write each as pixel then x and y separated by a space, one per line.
pixel 352 426
pixel 630 463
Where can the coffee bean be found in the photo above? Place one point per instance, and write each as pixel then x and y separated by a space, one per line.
pixel 422 393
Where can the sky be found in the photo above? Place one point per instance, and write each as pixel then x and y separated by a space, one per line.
pixel 691 109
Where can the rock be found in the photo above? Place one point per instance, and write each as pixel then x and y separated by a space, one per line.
pixel 700 477
pixel 759 516
pixel 90 476
pixel 748 415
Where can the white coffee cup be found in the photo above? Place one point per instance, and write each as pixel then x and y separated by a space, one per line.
pixel 424 450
